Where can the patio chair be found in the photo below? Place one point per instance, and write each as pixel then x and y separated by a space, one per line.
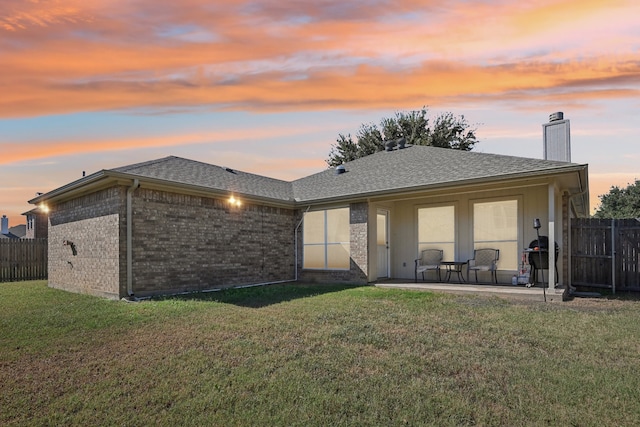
pixel 430 259
pixel 484 260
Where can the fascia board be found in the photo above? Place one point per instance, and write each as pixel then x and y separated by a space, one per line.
pixel 197 190
pixel 106 178
pixel 87 183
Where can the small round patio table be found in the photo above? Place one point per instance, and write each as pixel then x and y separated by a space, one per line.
pixel 455 267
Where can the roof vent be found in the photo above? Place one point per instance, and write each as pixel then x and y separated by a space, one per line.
pixel 229 170
pixel 390 144
pixel 340 169
pixel 556 116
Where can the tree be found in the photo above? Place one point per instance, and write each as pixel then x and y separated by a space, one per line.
pixel 620 203
pixel 448 131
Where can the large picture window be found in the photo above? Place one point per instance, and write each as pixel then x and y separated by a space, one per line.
pixel 326 240
pixel 495 225
pixel 436 230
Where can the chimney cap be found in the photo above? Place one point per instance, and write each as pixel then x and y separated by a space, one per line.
pixel 559 115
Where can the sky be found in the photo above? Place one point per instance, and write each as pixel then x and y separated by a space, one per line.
pixel 267 86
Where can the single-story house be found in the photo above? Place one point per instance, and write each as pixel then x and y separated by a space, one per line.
pixel 175 225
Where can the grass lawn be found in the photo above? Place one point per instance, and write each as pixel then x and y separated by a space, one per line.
pixel 316 356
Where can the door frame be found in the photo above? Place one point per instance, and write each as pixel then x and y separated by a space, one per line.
pixel 387 255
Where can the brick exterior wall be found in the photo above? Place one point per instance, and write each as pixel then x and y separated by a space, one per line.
pixel 31 227
pixel 358 244
pixel 93 224
pixel 37 226
pixel 41 227
pixel 188 243
pixel 183 243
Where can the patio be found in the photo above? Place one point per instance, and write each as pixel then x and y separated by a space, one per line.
pixel 520 291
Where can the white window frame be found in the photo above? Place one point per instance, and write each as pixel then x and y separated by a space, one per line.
pixel 487 243
pixel 326 244
pixel 435 244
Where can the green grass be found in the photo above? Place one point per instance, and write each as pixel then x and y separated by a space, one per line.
pixel 316 356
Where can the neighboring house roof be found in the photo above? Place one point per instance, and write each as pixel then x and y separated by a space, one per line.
pixel 411 169
pixel 33 211
pixel 18 230
pixel 8 236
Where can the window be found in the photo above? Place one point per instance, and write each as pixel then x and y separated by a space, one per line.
pixel 495 225
pixel 436 230
pixel 326 240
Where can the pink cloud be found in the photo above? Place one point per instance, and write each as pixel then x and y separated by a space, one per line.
pixel 65 56
pixel 21 15
pixel 264 57
pixel 29 91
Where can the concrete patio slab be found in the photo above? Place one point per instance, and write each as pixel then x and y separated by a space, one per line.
pixel 553 295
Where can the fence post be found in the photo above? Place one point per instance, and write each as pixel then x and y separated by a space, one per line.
pixel 613 256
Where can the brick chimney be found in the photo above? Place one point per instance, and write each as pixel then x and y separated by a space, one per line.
pixel 4 228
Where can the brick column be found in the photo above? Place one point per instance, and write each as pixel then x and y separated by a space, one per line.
pixel 359 244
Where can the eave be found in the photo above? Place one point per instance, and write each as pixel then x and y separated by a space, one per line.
pixel 469 185
pixel 106 178
pixel 109 178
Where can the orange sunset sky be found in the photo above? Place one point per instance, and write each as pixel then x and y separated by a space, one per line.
pixel 267 86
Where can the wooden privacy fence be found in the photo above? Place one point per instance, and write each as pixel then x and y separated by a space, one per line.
pixel 23 259
pixel 605 253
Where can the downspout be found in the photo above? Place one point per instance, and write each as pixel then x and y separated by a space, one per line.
pixel 130 191
pixel 295 243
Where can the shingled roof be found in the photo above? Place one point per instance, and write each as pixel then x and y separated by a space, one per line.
pixel 191 172
pixel 410 169
pixel 418 167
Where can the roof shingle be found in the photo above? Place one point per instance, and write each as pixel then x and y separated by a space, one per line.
pixel 191 172
pixel 415 167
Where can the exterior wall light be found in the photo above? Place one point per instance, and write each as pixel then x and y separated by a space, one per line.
pixel 235 202
pixel 44 208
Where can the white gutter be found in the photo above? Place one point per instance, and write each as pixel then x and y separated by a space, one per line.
pixel 130 191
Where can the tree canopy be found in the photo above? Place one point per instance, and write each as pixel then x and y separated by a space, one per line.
pixel 446 131
pixel 620 203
